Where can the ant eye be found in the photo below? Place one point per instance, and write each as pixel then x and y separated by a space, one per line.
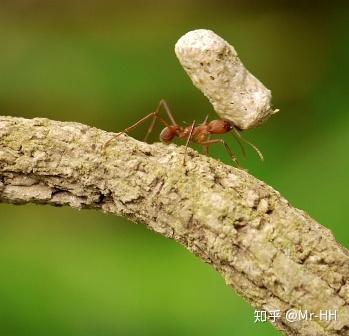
pixel 227 125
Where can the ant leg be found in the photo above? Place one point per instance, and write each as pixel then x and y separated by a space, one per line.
pixel 187 143
pixel 149 129
pixel 154 115
pixel 238 140
pixel 139 122
pixel 215 141
pixel 163 104
pixel 205 149
pixel 238 137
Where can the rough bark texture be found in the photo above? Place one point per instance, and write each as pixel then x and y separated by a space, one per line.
pixel 274 255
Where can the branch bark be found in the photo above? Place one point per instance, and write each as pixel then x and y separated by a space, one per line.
pixel 272 254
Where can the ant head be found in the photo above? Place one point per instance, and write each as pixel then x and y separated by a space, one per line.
pixel 220 126
pixel 168 133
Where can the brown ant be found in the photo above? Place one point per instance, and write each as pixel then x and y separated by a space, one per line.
pixel 198 134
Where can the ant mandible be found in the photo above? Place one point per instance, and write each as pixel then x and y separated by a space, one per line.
pixel 199 134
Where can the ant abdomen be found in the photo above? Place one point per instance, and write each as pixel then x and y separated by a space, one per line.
pixel 167 134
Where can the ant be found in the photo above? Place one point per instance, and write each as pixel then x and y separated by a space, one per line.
pixel 199 134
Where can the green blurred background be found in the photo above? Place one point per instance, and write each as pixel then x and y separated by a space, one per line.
pixel 107 64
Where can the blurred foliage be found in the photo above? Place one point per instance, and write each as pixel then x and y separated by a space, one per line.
pixel 107 64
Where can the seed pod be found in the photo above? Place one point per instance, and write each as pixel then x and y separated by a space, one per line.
pixel 216 70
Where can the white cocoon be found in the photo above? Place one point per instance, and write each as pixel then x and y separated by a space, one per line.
pixel 215 68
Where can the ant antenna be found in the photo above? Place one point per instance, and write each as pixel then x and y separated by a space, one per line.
pixel 239 137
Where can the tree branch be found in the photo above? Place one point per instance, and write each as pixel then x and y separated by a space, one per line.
pixel 274 255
